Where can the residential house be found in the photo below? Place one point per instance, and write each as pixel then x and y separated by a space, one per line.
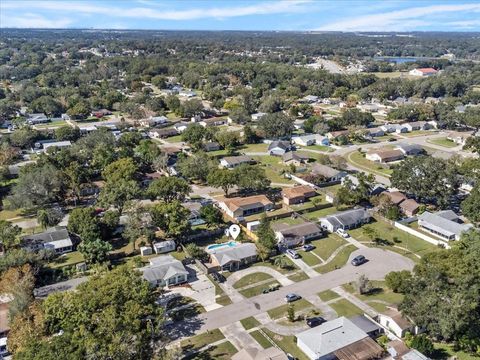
pixel 211 146
pixel 279 147
pixel 296 235
pixel 409 207
pixel 338 339
pixel 165 270
pixel 370 107
pixel 384 156
pixel 423 72
pixel 417 125
pixel 162 133
pixel 56 239
pixel 194 207
pixel 87 129
pixel 258 116
pixel 240 207
pixel 44 145
pixel 394 128
pixel 311 139
pixel 181 126
pixel 154 121
pixel 101 113
pixel 396 197
pixel 213 122
pixel 459 137
pixel 330 175
pixel 187 93
pixel 394 321
pixel 271 353
pixel 295 158
pixel 335 134
pixel 162 247
pixel 297 194
pixel 310 99
pixel 146 250
pixel 38 118
pixel 230 162
pixel 399 351
pixel 410 149
pixel 231 258
pixel 375 132
pixel 298 124
pixel 345 220
pixel 444 224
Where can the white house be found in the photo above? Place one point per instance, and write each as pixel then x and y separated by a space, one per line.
pixel 345 220
pixel 57 239
pixel 311 139
pixel 181 126
pixel 230 162
pixel 164 246
pixel 394 321
pixel 444 224
pixel 154 121
pixel 165 270
pixel 257 116
pixel 423 72
pixel 38 118
pixel 384 156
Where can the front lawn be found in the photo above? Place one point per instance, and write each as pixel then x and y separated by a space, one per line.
pixel 358 159
pixel 308 258
pixel 174 139
pixel 328 295
pixel 257 290
pixel 379 292
pixel 338 261
pixel 299 276
pixel 326 247
pixel 252 279
pixel 319 148
pixel 281 311
pixel 254 148
pixel 343 307
pixel 223 351
pixel 249 323
pixel 289 265
pixel 287 344
pixel 198 341
pixel 417 133
pixel 262 340
pixel 443 142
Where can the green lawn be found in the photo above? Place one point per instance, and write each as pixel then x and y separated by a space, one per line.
pixel 52 124
pixel 309 258
pixel 290 265
pixel 396 236
pixel 274 168
pixel 328 295
pixel 319 147
pixel 310 204
pixel 262 340
pixel 447 350
pixel 174 139
pixel 417 133
pixel 443 142
pixel 379 292
pixel 338 261
pixel 249 323
pixel 68 259
pixel 299 276
pixel 326 247
pixel 281 311
pixel 345 308
pixel 287 344
pixel 199 341
pixel 315 215
pixel 257 290
pixel 357 159
pixel 252 279
pixel 254 148
pixel 10 214
pixel 223 351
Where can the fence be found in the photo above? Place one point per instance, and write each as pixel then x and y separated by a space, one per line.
pixel 421 235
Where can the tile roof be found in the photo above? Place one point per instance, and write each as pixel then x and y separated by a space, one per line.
pixel 297 191
pixel 246 202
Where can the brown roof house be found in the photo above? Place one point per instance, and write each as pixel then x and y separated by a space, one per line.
pixel 396 197
pixel 297 194
pixel 409 207
pixel 295 235
pixel 384 156
pixel 239 207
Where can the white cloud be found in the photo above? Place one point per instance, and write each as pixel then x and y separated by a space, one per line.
pixel 399 20
pixel 33 21
pixel 464 24
pixel 271 7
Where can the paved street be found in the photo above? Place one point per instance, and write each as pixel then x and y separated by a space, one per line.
pixel 380 263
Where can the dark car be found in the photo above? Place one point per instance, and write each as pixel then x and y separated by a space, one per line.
pixel 292 297
pixel 308 247
pixel 359 260
pixel 315 321
pixel 218 277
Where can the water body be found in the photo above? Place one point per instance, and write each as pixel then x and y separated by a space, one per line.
pixel 398 60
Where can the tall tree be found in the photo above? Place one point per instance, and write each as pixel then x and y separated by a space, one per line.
pixel 9 234
pixel 172 218
pixel 168 188
pixel 222 178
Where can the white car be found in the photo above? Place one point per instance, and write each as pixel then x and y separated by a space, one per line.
pixel 342 233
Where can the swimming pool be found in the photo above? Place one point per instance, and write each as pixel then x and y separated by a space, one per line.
pixel 213 247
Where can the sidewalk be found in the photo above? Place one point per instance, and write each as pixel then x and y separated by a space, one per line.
pixel 354 300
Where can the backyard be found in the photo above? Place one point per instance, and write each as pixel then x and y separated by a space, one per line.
pixel 357 159
pixel 379 297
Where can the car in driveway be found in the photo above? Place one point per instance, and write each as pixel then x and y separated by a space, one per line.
pixel 292 297
pixel 359 260
pixel 315 321
pixel 292 253
pixel 342 233
pixel 218 277
pixel 308 247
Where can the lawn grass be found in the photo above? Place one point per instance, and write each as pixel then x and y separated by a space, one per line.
pixel 198 341
pixel 252 279
pixel 174 139
pixel 309 258
pixel 320 148
pixel 309 204
pixel 274 168
pixel 396 236
pixel 443 142
pixel 262 340
pixel 338 261
pixel 315 215
pixel 52 124
pixel 67 259
pixel 281 311
pixel 299 276
pixel 290 265
pixel 379 292
pixel 249 323
pixel 179 255
pixel 10 214
pixel 257 290
pixel 357 159
pixel 446 349
pixel 220 297
pixel 325 247
pixel 417 133
pixel 223 351
pixel 328 295
pixel 287 344
pixel 254 148
pixel 343 307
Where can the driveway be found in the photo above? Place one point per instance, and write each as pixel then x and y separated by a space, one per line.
pixel 380 263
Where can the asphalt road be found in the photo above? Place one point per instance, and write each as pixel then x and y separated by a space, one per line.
pixel 380 263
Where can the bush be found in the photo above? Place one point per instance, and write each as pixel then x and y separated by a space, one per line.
pixel 423 344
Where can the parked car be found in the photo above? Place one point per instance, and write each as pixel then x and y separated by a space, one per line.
pixel 342 233
pixel 291 357
pixel 271 288
pixel 359 260
pixel 292 297
pixel 218 277
pixel 292 253
pixel 308 247
pixel 315 321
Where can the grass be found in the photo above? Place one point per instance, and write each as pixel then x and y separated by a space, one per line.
pixel 395 236
pixel 287 344
pixel 10 214
pixel 319 147
pixel 315 215
pixel 389 75
pixel 379 292
pixel 447 350
pixel 328 295
pixel 309 258
pixel 343 307
pixel 338 261
pixel 221 298
pixel 257 290
pixel 274 168
pixel 290 265
pixel 299 276
pixel 174 139
pixel 249 323
pixel 223 351
pixel 357 159
pixel 52 124
pixel 281 311
pixel 326 247
pixel 68 259
pixel 309 204
pixel 417 133
pixel 443 142
pixel 254 148
pixel 251 279
pixel 199 341
pixel 262 340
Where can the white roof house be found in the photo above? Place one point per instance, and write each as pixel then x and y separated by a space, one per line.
pixel 345 220
pixel 311 139
pixel 444 224
pixel 38 118
pixel 257 116
pixel 232 258
pixel 164 246
pixel 57 239
pixel 165 270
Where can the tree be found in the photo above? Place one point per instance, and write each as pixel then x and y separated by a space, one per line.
pixel 281 262
pixel 276 125
pixel 9 234
pixel 147 151
pixel 112 316
pixel 212 215
pixel 67 132
pixel 172 218
pixel 196 252
pixel 137 225
pixel 191 107
pixel 398 281
pixel 363 285
pixel 251 178
pixel 79 111
pixel 19 283
pixel 266 235
pixel 291 312
pixel 354 117
pixel 24 137
pixel 169 188
pixel 222 178
pixel 386 207
pixel 471 205
pixel 423 344
pixel 249 135
pixel 194 135
pixel 122 169
pixel 83 222
pixel 94 251
pixel 118 193
pixel 196 167
pixel 239 115
pixel 74 176
pixel 49 217
pixel 228 140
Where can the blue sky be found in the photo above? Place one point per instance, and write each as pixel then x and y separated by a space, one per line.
pixel 340 15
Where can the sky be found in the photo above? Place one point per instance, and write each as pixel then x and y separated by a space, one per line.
pixel 284 15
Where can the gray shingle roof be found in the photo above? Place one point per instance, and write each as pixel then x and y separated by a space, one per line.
pixel 55 237
pixel 162 268
pixel 348 217
pixel 236 253
pixel 443 224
